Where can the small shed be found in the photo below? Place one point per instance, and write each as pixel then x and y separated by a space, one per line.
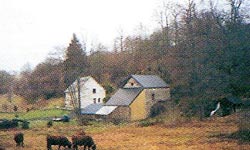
pixel 97 111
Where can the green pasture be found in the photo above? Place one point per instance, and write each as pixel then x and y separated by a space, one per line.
pixel 35 114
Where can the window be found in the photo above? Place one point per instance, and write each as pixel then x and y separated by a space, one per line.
pixel 99 100
pixel 94 100
pixel 94 91
pixel 153 96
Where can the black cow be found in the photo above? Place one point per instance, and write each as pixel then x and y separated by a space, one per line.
pixel 57 140
pixel 19 137
pixel 83 140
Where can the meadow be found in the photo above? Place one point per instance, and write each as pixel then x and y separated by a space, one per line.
pixel 165 133
pixel 210 134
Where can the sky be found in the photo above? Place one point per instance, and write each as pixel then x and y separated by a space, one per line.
pixel 30 29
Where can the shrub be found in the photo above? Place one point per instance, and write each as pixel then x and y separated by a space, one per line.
pixel 6 124
pixel 157 109
pixel 25 125
pixel 65 118
pixel 146 123
pixel 197 107
pixel 243 133
pixel 116 121
pixel 49 123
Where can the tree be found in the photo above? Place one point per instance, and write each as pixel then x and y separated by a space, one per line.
pixel 75 62
pixel 7 82
pixel 97 62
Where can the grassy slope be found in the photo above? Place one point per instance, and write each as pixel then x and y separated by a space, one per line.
pixel 207 135
pixel 23 105
pixel 18 101
pixel 37 109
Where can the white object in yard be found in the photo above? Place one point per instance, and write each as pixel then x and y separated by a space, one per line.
pixel 216 109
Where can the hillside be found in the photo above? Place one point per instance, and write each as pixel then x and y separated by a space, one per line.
pixel 23 105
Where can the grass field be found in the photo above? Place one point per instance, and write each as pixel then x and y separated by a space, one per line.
pixel 7 105
pixel 212 134
pixel 35 114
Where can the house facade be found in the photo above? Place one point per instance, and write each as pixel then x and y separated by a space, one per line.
pixel 91 92
pixel 137 95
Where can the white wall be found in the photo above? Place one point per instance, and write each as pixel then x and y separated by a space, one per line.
pixel 86 93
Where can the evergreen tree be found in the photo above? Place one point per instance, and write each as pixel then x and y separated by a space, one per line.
pixel 75 62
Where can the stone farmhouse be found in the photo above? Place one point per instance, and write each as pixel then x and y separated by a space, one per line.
pixel 91 92
pixel 133 100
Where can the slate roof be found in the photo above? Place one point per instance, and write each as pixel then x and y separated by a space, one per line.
pixel 123 97
pixel 73 88
pixel 105 110
pixel 91 109
pixel 148 81
pixel 97 109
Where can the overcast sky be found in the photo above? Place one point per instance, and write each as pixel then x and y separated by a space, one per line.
pixel 30 29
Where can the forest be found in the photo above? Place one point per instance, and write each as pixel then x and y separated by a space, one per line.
pixel 201 52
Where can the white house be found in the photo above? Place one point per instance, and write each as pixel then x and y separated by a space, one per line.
pixel 90 93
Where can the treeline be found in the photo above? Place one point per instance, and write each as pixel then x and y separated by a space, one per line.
pixel 201 53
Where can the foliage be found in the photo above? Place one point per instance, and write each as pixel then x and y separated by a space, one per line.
pixel 198 109
pixel 44 82
pixel 202 53
pixel 108 88
pixel 243 133
pixel 49 123
pixel 243 136
pixel 25 125
pixel 6 82
pixel 6 124
pixel 146 123
pixel 75 62
pixel 157 109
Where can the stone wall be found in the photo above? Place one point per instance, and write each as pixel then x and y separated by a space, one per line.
pixel 153 96
pixel 121 113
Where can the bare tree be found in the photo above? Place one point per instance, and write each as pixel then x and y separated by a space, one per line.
pixel 75 96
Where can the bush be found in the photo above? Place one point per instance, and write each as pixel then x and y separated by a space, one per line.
pixel 241 135
pixel 157 109
pixel 25 125
pixel 6 124
pixel 146 123
pixel 197 108
pixel 65 118
pixel 116 121
pixel 49 123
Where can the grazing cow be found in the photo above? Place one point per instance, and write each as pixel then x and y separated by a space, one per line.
pixel 57 140
pixel 83 140
pixel 18 137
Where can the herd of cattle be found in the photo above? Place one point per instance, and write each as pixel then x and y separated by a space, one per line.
pixel 80 139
